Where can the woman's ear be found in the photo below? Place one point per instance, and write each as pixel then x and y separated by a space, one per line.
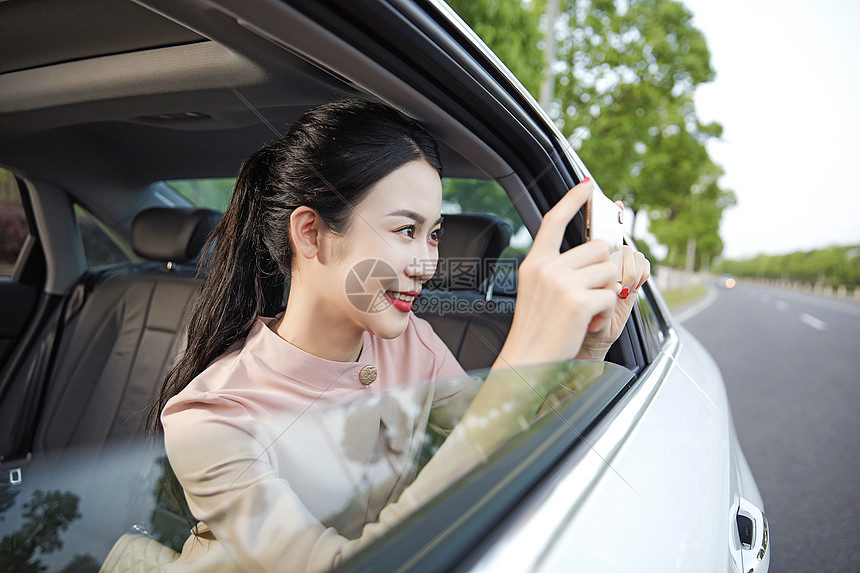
pixel 304 231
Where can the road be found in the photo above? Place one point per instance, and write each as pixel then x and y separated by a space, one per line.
pixel 791 363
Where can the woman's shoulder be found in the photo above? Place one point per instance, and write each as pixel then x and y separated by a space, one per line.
pixel 218 379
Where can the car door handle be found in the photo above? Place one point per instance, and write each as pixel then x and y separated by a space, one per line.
pixel 753 537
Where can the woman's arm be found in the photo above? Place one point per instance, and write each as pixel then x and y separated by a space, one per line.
pixel 563 301
pixel 560 296
pixel 232 482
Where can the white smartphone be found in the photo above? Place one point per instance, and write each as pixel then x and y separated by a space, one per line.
pixel 604 220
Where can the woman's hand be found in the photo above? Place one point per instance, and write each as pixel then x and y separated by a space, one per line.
pixel 563 296
pixel 636 270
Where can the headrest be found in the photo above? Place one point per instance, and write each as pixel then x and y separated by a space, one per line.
pixel 469 248
pixel 172 235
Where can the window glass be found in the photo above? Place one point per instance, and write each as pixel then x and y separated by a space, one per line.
pixel 487 197
pixel 13 222
pixel 208 193
pixel 343 460
pixel 345 467
pixel 649 325
pixel 99 248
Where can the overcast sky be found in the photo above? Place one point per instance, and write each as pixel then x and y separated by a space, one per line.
pixel 787 93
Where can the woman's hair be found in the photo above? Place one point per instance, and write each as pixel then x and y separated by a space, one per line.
pixel 328 161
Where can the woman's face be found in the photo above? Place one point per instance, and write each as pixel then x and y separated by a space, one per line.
pixel 389 249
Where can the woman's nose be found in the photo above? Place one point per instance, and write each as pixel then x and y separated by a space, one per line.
pixel 422 268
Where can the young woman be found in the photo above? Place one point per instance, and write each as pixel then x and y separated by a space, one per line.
pixel 352 181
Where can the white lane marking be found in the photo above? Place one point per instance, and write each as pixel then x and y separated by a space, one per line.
pixel 781 305
pixel 698 307
pixel 813 322
pixel 820 301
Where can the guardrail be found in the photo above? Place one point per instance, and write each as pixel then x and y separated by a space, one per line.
pixel 668 278
pixel 842 291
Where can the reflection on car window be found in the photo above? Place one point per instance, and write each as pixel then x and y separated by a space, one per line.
pixel 13 223
pixel 652 333
pixel 345 463
pixel 348 472
pixel 208 193
pixel 99 248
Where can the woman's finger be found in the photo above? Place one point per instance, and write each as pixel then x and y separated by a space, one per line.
pixel 590 253
pixel 602 305
pixel 646 270
pixel 555 221
pixel 630 269
pixel 597 276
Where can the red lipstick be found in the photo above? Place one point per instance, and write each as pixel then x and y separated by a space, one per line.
pixel 401 305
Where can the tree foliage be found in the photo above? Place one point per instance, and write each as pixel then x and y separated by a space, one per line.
pixel 481 196
pixel 626 74
pixel 832 266
pixel 627 77
pixel 694 216
pixel 511 28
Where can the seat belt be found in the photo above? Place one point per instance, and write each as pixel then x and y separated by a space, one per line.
pixel 39 375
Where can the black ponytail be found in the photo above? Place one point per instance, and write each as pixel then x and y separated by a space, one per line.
pixel 329 160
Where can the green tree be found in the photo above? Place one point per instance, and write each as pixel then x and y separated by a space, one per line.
pixel 832 266
pixel 480 196
pixel 629 72
pixel 694 216
pixel 625 79
pixel 511 28
pixel 8 188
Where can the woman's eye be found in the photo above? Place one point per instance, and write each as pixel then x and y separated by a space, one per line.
pixel 409 231
pixel 436 235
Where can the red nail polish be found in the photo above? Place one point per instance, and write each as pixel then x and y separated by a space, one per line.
pixel 624 292
pixel 586 180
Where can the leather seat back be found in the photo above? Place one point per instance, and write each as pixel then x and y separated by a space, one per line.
pixel 115 351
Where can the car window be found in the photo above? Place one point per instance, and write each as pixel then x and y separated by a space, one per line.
pixel 650 326
pixel 13 222
pixel 460 195
pixel 209 193
pixel 100 248
pixel 484 196
pixel 343 465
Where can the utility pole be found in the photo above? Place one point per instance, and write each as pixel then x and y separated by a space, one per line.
pixel 547 86
pixel 690 265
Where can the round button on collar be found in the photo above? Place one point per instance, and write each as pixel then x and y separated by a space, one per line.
pixel 367 375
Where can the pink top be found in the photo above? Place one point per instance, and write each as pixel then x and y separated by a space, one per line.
pixel 293 463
